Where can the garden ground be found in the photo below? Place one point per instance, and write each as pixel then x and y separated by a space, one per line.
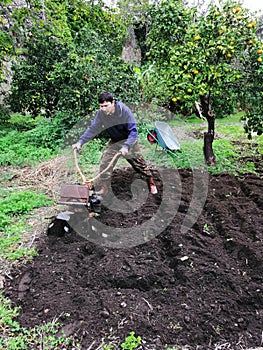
pixel 195 288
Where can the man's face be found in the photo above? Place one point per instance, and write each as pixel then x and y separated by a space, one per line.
pixel 107 107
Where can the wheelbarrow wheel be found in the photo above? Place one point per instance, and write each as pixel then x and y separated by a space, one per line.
pixel 152 136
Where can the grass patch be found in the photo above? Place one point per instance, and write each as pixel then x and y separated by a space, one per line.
pixel 229 159
pixel 189 156
pixel 46 336
pixel 232 131
pixel 233 118
pixel 14 208
pixel 234 152
pixel 11 244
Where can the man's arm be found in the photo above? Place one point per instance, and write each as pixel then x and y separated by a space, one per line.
pixel 132 137
pixel 92 131
pixel 132 127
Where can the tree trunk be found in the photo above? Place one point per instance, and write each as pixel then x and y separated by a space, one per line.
pixel 209 135
pixel 208 149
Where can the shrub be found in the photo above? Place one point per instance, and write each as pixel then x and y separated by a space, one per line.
pixel 16 149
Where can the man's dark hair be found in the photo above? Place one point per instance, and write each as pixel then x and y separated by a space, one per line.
pixel 105 97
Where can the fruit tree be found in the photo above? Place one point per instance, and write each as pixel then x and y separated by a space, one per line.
pixel 197 58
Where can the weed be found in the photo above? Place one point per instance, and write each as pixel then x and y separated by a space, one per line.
pixel 108 346
pixel 7 313
pixel 15 337
pixel 205 229
pixel 217 329
pixel 131 342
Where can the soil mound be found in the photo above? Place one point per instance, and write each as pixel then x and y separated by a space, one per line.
pixel 199 287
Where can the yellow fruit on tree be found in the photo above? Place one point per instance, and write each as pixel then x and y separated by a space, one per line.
pixel 196 72
pixel 259 51
pixel 250 42
pixel 197 37
pixel 217 13
pixel 174 99
pixel 259 59
pixel 238 9
pixel 228 55
pixel 251 24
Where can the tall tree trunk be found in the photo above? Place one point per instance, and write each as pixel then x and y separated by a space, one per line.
pixel 209 135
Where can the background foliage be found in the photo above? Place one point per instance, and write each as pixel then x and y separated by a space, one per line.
pixel 65 53
pixel 192 55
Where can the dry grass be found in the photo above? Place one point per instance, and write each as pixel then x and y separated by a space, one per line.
pixel 47 176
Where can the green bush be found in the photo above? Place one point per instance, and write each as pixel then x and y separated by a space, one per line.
pixel 48 132
pixel 20 122
pixel 18 149
pixel 63 76
pixel 19 203
pixel 31 89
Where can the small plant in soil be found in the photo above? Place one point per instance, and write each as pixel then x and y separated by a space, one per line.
pixel 14 337
pixel 131 342
pixel 205 229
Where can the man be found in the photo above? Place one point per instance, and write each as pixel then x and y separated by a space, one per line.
pixel 118 121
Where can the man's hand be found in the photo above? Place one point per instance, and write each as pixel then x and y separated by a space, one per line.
pixel 124 151
pixel 76 146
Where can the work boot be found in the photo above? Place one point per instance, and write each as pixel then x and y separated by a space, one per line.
pixel 152 186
